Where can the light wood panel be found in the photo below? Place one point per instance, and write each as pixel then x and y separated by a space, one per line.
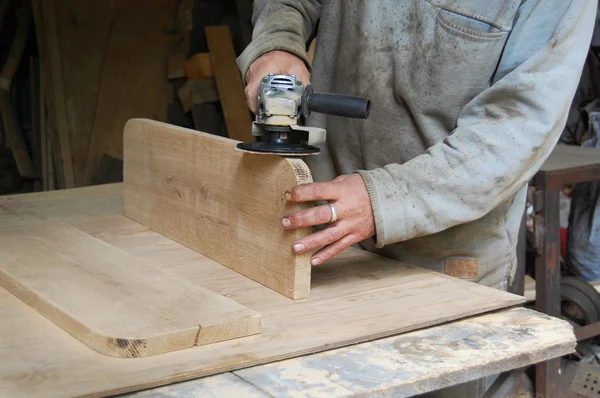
pixel 355 297
pixel 110 300
pixel 229 83
pixel 135 66
pixel 83 30
pixel 198 190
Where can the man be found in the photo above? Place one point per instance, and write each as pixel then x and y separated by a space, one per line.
pixel 469 98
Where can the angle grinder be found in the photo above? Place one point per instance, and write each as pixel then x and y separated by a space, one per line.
pixel 284 104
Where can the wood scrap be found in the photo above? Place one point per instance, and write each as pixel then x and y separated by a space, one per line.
pixel 201 192
pixel 110 300
pixel 199 91
pixel 229 83
pixel 199 66
pixel 133 80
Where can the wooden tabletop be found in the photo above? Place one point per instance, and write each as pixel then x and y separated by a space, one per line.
pixel 569 157
pixel 43 358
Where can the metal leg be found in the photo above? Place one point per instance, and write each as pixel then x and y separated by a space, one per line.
pixel 547 275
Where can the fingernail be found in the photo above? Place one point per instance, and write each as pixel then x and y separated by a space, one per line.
pixel 298 247
pixel 286 223
pixel 315 261
pixel 288 196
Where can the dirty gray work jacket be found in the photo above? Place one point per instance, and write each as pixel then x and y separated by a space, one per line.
pixel 468 99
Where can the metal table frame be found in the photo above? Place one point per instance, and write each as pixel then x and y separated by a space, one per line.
pixel 547 184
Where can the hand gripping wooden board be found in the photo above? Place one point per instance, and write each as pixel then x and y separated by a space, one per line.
pixel 110 300
pixel 197 190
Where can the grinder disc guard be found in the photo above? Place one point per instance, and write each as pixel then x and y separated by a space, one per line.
pixel 281 140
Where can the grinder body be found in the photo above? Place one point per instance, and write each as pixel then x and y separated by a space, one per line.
pixel 284 104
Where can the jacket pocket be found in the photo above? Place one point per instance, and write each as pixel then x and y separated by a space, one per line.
pixel 461 24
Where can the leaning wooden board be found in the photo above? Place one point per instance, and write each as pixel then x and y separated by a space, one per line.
pixel 110 300
pixel 354 298
pixel 198 190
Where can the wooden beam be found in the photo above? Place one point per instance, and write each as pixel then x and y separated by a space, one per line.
pixel 198 190
pixel 110 300
pixel 229 83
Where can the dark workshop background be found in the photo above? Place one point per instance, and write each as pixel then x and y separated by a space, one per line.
pixel 83 68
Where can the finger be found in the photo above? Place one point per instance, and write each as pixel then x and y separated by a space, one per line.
pixel 321 238
pixel 313 191
pixel 307 218
pixel 333 249
pixel 251 92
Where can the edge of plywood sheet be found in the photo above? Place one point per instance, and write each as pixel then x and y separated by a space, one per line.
pixel 110 300
pixel 197 190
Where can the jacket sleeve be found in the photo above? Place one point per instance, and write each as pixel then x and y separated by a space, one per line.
pixel 502 136
pixel 284 25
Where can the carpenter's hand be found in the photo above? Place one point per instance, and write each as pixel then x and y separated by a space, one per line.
pixel 273 62
pixel 355 222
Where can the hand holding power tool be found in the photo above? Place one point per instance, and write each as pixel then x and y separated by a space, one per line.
pixel 284 104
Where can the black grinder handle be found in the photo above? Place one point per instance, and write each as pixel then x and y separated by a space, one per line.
pixel 335 104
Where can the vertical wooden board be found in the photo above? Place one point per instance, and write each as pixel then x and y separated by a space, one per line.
pixel 83 30
pixel 229 83
pixel 134 80
pixel 198 190
pixel 55 87
pixel 109 300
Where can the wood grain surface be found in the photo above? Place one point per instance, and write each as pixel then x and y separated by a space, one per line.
pixel 198 190
pixel 354 298
pixel 83 31
pixel 135 65
pixel 110 300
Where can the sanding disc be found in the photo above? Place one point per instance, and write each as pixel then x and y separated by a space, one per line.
pixel 263 148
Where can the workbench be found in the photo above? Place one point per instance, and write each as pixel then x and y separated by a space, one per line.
pixel 400 366
pixel 566 165
pixel 404 364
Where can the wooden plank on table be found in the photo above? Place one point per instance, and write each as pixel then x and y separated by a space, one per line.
pixel 133 79
pixel 51 59
pixel 355 297
pixel 229 83
pixel 83 31
pixel 110 300
pixel 198 190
